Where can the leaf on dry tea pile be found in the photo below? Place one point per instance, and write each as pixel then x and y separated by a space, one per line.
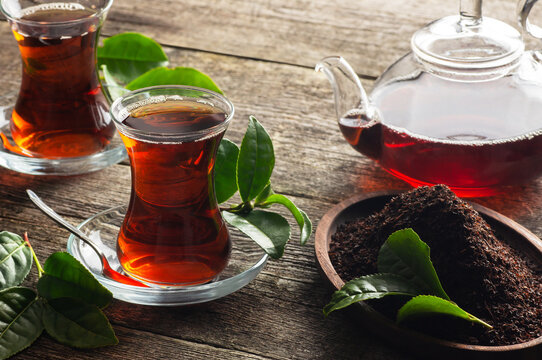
pixel 176 76
pixel 78 324
pixel 20 320
pixel 305 225
pixel 406 255
pixel 368 287
pixel 269 230
pixel 256 161
pixel 128 55
pixel 225 170
pixel 66 277
pixel 15 259
pixel 427 305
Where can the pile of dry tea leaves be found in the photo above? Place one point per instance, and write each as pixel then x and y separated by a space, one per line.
pixel 483 275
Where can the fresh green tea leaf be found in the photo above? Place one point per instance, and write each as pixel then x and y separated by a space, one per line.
pixel 111 89
pixel 20 320
pixel 305 225
pixel 178 76
pixel 225 170
pixel 368 287
pixel 269 230
pixel 406 255
pixel 66 277
pixel 262 196
pixel 15 259
pixel 256 161
pixel 78 324
pixel 427 305
pixel 129 55
pixel 306 230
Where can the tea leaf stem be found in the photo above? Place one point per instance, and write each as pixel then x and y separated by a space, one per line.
pixel 243 208
pixel 38 265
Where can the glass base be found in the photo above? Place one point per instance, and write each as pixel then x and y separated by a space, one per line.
pixel 246 262
pixel 114 153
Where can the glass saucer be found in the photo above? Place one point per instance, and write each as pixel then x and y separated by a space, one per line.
pixel 112 154
pixel 246 262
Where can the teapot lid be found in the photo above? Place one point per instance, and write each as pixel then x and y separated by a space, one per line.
pixel 468 42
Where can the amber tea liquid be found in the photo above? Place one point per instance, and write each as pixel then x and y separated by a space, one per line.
pixel 61 110
pixel 467 136
pixel 173 232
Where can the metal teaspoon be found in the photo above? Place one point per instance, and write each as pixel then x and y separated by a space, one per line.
pixel 106 268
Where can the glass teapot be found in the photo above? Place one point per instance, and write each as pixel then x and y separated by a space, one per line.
pixel 463 108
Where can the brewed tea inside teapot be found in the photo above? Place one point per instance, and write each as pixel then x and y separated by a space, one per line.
pixel 463 108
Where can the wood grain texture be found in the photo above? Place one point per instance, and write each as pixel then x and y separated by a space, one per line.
pixel 370 34
pixel 261 53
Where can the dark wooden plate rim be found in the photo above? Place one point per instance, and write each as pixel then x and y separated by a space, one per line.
pixel 321 245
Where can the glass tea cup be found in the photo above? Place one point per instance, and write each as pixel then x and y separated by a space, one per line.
pixel 61 111
pixel 173 233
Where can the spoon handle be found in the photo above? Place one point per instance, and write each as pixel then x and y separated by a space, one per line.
pixel 57 218
pixel 106 268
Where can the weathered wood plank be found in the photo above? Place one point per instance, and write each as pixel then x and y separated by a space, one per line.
pixel 135 345
pixel 370 34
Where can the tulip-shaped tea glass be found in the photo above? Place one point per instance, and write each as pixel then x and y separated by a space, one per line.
pixel 173 233
pixel 61 111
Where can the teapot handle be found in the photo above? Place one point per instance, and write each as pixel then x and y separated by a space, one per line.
pixel 524 9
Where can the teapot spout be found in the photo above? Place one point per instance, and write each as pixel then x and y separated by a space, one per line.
pixel 347 89
pixel 358 120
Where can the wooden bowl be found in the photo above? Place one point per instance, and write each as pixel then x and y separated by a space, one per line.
pixel 508 230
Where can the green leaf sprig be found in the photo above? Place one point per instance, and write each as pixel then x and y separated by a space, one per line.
pixel 67 303
pixel 248 170
pixel 405 268
pixel 131 61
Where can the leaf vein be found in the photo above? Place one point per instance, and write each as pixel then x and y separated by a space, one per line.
pixel 11 253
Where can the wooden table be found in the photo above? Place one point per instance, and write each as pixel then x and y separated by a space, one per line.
pixel 262 53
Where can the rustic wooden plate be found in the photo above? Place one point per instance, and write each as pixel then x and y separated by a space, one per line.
pixel 424 345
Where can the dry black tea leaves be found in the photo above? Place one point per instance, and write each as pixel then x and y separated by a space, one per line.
pixel 483 275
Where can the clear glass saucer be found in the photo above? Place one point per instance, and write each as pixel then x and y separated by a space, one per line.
pixel 112 154
pixel 246 261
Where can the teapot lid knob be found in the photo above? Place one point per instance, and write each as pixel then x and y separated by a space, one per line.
pixel 468 41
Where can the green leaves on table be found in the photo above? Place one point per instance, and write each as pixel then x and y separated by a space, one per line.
pixel 269 230
pixel 176 76
pixel 66 277
pixel 134 61
pixel 248 170
pixel 406 269
pixel 128 55
pixel 20 320
pixel 226 170
pixel 76 323
pixel 67 304
pixel 305 225
pixel 255 162
pixel 15 260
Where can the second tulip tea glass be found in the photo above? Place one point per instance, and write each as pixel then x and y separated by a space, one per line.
pixel 61 111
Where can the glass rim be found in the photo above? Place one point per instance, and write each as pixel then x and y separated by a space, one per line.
pixel 98 14
pixel 148 136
